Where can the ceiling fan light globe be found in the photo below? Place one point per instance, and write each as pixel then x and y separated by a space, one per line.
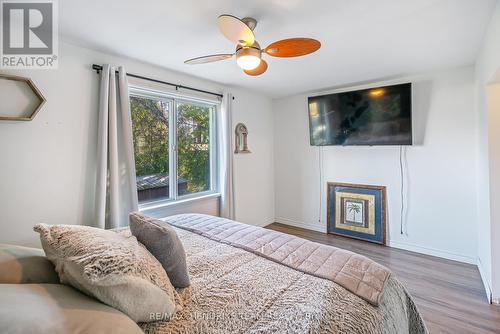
pixel 248 58
pixel 248 62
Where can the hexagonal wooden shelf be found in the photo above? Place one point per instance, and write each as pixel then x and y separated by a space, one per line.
pixel 34 90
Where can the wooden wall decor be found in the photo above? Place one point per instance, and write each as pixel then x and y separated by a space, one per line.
pixel 35 91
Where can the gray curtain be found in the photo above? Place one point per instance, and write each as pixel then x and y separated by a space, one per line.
pixel 225 126
pixel 116 189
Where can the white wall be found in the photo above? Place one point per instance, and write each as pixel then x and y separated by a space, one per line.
pixel 494 175
pixel 494 168
pixel 47 165
pixel 254 172
pixel 440 172
pixel 488 72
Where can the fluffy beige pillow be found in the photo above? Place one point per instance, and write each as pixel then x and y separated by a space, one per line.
pixel 113 268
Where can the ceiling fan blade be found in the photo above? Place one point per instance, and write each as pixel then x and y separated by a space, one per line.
pixel 293 47
pixel 235 30
pixel 258 70
pixel 208 59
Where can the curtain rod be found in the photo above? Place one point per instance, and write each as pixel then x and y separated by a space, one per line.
pixel 98 68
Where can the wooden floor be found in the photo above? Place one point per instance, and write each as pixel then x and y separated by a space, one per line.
pixel 449 294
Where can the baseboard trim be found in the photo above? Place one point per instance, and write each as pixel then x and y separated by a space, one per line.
pixel 433 252
pixel 396 244
pixel 262 223
pixel 486 283
pixel 295 223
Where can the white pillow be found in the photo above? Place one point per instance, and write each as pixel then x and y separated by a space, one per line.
pixel 115 269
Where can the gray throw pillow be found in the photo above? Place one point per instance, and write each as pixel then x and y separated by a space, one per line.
pixel 162 241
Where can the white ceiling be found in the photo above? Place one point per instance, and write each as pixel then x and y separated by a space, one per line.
pixel 361 39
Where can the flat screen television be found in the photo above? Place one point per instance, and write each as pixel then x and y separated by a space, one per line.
pixel 375 116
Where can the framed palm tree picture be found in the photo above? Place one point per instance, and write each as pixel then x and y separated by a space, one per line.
pixel 357 211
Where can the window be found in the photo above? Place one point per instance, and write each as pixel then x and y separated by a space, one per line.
pixel 174 146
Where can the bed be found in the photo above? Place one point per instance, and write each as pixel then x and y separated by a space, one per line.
pixel 243 287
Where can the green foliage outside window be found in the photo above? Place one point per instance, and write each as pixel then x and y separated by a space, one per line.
pixel 151 131
pixel 193 157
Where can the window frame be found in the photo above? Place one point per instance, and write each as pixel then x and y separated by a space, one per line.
pixel 173 100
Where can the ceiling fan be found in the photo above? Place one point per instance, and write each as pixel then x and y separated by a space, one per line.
pixel 248 52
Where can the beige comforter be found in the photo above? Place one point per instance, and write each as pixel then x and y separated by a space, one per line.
pixel 358 274
pixel 237 291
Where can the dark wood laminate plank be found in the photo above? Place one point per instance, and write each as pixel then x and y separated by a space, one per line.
pixel 449 294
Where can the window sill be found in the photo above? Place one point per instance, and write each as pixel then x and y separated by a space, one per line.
pixel 179 202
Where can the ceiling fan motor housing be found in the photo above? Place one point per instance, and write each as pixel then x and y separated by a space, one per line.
pixel 248 51
pixel 252 50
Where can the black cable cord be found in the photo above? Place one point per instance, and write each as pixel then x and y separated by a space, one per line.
pixel 402 186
